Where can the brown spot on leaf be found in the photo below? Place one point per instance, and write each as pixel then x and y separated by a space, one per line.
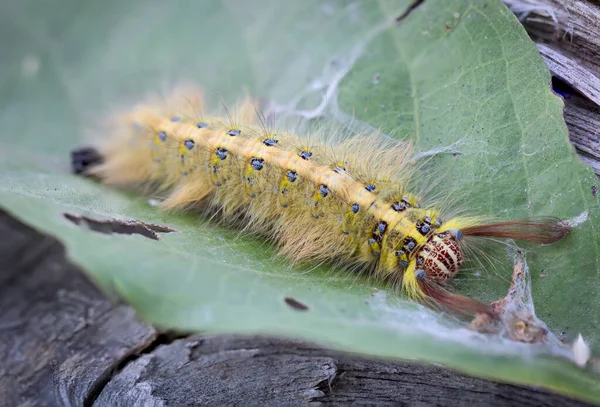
pixel 295 304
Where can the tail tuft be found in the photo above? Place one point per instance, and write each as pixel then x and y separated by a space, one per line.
pixel 456 304
pixel 85 158
pixel 541 229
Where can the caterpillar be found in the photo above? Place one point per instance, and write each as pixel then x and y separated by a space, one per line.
pixel 349 203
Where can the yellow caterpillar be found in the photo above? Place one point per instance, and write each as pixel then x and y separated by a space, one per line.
pixel 347 203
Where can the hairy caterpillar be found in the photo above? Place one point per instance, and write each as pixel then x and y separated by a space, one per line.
pixel 349 203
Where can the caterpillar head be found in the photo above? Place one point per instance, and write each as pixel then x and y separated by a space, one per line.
pixel 440 258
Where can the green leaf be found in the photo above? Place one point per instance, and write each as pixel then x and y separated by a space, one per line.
pixel 451 74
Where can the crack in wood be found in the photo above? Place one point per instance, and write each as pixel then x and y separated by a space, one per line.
pixel 165 338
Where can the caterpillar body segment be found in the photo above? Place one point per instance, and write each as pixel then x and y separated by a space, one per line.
pixel 345 202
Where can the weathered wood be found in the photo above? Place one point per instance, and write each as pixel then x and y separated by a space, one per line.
pixel 62 343
pixel 570 71
pixel 223 370
pixel 60 339
pixel 583 120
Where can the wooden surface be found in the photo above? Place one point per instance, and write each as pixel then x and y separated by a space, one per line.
pixel 63 344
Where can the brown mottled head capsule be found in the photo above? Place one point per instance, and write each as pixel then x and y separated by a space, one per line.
pixel 442 255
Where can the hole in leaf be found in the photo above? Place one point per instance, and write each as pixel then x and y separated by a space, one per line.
pixel 295 304
pixel 562 88
pixel 123 227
